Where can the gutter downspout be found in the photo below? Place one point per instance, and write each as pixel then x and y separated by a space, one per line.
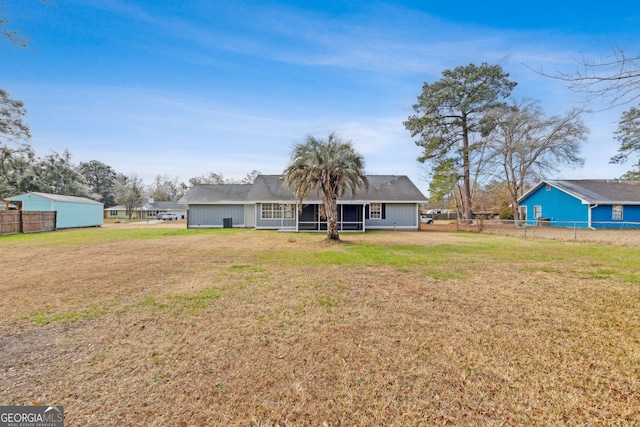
pixel 589 217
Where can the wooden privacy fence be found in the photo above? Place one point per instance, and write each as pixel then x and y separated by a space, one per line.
pixel 12 222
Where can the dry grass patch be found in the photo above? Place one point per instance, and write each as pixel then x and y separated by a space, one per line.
pixel 261 328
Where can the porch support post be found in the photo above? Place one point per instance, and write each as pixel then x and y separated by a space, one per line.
pixel 364 219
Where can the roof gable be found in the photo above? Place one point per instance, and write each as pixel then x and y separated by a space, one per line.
pixel 270 188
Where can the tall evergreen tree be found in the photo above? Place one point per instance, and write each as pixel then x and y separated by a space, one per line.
pixel 450 111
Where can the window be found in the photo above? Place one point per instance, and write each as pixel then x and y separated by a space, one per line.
pixel 616 212
pixel 288 211
pixel 537 211
pixel 276 211
pixel 271 211
pixel 113 213
pixel 375 211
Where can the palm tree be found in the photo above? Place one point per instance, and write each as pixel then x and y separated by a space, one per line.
pixel 327 168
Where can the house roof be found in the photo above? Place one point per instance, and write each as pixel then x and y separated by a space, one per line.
pixel 595 191
pixel 165 206
pixel 56 197
pixel 271 188
pixel 155 206
pixel 216 193
pixel 390 188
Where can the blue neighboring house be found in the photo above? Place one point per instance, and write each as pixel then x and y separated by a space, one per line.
pixel 588 203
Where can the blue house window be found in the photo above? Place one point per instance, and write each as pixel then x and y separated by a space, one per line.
pixel 537 211
pixel 616 212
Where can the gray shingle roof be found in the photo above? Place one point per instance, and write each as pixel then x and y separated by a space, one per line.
pixel 390 188
pixel 601 191
pixel 271 188
pixel 216 193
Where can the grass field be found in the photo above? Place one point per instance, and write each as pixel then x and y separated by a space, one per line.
pixel 174 327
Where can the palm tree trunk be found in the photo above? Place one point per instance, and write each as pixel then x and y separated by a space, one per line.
pixel 331 211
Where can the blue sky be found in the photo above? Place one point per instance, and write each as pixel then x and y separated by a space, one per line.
pixel 183 88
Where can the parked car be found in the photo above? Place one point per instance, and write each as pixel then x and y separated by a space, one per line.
pixel 167 216
pixel 425 219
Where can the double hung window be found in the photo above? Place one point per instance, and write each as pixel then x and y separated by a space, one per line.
pixel 617 212
pixel 375 211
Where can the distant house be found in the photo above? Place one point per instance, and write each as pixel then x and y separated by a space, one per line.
pixel 149 210
pixel 583 203
pixel 390 202
pixel 71 211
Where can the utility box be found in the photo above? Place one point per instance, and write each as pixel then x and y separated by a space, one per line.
pixel 227 222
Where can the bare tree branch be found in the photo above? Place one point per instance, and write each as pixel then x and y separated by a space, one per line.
pixel 14 35
pixel 614 79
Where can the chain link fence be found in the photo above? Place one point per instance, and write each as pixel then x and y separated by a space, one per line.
pixel 621 233
pixel 618 233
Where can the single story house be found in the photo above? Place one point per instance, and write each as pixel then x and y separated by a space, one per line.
pixel 149 210
pixel 591 203
pixel 391 202
pixel 71 211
